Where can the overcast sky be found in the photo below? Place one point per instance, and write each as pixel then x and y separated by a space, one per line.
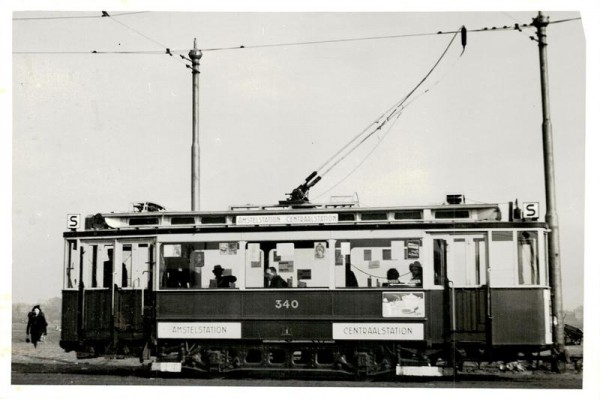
pixel 96 132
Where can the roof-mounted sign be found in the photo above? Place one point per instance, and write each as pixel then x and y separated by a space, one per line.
pixel 318 218
pixel 73 221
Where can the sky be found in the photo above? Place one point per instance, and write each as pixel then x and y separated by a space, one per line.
pixel 95 132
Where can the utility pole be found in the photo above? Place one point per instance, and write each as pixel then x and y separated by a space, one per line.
pixel 541 22
pixel 195 56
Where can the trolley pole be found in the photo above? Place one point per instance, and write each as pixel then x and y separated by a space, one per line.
pixel 195 56
pixel 541 22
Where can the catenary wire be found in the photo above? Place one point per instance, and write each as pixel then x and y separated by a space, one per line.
pixel 178 51
pixel 390 115
pixel 77 16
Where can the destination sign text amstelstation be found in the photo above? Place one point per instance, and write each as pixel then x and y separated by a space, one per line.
pixel 287 219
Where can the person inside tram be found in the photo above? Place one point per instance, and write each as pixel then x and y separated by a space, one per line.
pixel 350 277
pixel 274 280
pixel 416 274
pixel 223 281
pixel 392 277
pixel 108 273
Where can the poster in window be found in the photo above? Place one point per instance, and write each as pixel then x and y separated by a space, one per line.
pixel 223 246
pixel 412 249
pixel 228 248
pixel 319 250
pixel 197 259
pixel 285 267
pixel 339 258
pixel 304 274
pixel 374 264
pixel 172 250
pixel 387 254
pixel 253 252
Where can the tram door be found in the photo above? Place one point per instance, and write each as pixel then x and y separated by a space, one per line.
pixel 460 265
pixel 132 285
pixel 112 298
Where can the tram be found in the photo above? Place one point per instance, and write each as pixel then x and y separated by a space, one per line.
pixel 193 290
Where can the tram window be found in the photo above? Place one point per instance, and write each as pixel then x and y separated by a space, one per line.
pixel 408 215
pixel 368 261
pixel 502 259
pixel 528 260
pixel 346 217
pixel 345 276
pixel 72 266
pixel 135 268
pixel 183 220
pixel 452 214
pixel 96 261
pixel 463 268
pixel 374 216
pixel 195 265
pixel 143 221
pixel 300 264
pixel 439 262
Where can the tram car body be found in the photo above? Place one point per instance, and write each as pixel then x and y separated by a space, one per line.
pixel 142 284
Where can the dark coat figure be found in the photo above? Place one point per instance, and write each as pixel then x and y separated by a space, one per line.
pixel 108 273
pixel 273 280
pixel 36 324
pixel 351 278
pixel 223 281
pixel 277 282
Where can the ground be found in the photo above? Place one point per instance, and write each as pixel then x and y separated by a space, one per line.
pixel 50 365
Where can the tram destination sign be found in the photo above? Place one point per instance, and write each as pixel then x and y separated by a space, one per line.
pixel 377 331
pixel 251 220
pixel 199 330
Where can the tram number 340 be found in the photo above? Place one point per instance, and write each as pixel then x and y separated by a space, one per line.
pixel 286 303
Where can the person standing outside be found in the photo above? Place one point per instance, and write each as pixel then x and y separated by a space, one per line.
pixel 36 325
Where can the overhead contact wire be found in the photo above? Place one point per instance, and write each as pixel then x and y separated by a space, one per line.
pixel 386 119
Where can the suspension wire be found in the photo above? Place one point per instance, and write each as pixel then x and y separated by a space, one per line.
pixel 390 127
pixel 396 109
pixel 77 16
pixel 167 49
pixel 516 26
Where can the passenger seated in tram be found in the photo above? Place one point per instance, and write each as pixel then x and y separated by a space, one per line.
pixel 274 280
pixel 223 281
pixel 416 274
pixel 392 277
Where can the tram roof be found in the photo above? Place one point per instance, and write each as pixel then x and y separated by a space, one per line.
pixel 304 216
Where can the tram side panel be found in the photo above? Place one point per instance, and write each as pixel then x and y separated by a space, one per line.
pixel 300 315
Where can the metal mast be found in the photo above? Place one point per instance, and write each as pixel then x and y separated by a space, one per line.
pixel 541 22
pixel 195 56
